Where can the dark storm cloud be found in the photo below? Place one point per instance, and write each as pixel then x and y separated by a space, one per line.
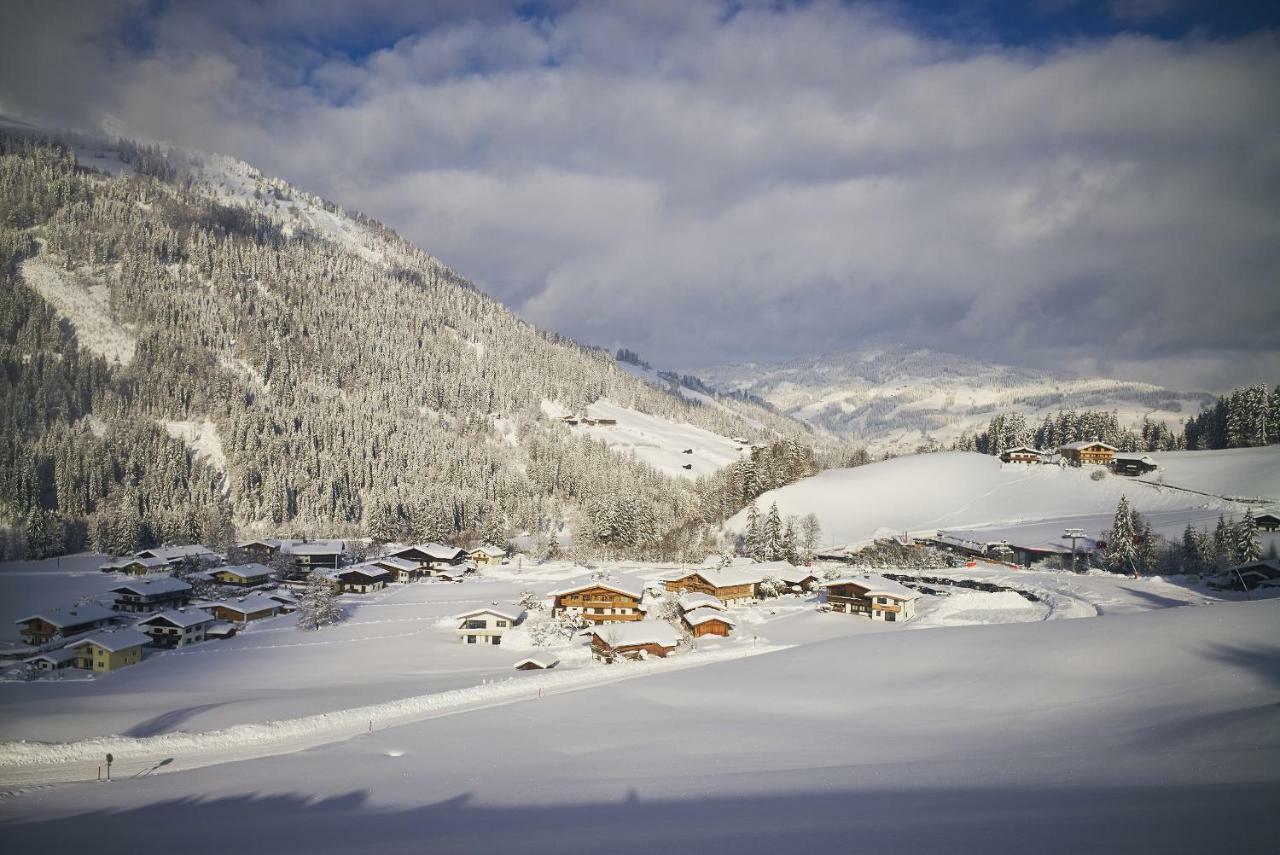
pixel 708 183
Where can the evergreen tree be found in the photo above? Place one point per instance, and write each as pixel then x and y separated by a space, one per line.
pixel 771 535
pixel 1121 553
pixel 318 606
pixel 1192 558
pixel 1246 547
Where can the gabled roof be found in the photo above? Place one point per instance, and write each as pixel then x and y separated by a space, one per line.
pixel 121 639
pixel 542 660
pixel 393 562
pixel 1023 448
pixel 512 614
pixel 697 617
pixel 78 616
pixel 714 560
pixel 57 657
pixel 433 550
pixel 876 586
pixel 314 547
pixel 176 618
pixel 628 589
pixel 366 570
pixel 1077 446
pixel 175 553
pixel 630 633
pixel 247 605
pixel 491 551
pixel 737 574
pixel 1266 566
pixel 245 571
pixel 690 601
pixel 149 563
pixel 151 587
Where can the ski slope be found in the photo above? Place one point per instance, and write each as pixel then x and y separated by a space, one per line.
pixel 1150 732
pixel 661 443
pixel 924 493
pixel 1246 473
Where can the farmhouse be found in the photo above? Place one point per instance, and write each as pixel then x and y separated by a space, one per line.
pixel 537 662
pixel 136 566
pixel 1132 464
pixel 877 598
pixel 362 579
pixel 487 555
pixel 709 621
pixel 600 602
pixel 633 640
pixel 399 569
pixel 176 628
pixel 487 625
pixel 1088 452
pixel 53 660
pixel 1268 520
pixel 109 651
pixel 732 584
pixel 246 609
pixel 260 549
pixel 791 576
pixel 242 575
pixel 1020 454
pixel 430 556
pixel 310 554
pixel 46 626
pixel 177 554
pixel 151 595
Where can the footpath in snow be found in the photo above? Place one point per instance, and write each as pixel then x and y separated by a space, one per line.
pixel 26 764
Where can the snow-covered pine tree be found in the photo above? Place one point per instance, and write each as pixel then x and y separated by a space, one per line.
pixel 753 541
pixel 318 606
pixel 1192 559
pixel 1246 547
pixel 1122 553
pixel 1223 545
pixel 771 535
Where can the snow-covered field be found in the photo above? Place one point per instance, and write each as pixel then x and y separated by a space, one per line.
pixel 924 493
pixel 662 443
pixel 86 308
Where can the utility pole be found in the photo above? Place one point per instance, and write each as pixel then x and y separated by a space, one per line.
pixel 1075 534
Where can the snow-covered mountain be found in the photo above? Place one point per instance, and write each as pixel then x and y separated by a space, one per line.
pixel 896 399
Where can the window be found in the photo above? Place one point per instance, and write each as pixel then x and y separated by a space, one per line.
pixel 475 624
pixel 500 623
pixel 497 639
pixel 471 639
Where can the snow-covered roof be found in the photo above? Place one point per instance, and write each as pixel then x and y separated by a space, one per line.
pixel 1141 458
pixel 1021 448
pixel 737 574
pixel 177 618
pixel 512 614
pixel 149 563
pixel 78 616
pixel 715 560
pixel 690 601
pixel 877 586
pixel 314 547
pixel 628 589
pixel 57 657
pixel 150 587
pixel 697 617
pixel 394 562
pixel 491 551
pixel 630 633
pixel 220 628
pixel 542 660
pixel 176 553
pixel 247 605
pixel 367 570
pixel 121 639
pixel 245 571
pixel 1088 443
pixel 433 550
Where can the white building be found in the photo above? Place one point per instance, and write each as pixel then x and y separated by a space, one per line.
pixel 488 625
pixel 176 628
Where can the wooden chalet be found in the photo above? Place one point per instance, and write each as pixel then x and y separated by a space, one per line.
pixel 136 566
pixel 172 629
pixel 260 549
pixel 63 623
pixel 708 621
pixel 431 558
pixel 1132 464
pixel 1264 573
pixel 691 600
pixel 873 597
pixel 362 579
pixel 53 660
pixel 537 662
pixel 1266 520
pixel 636 640
pixel 247 609
pixel 173 555
pixel 487 625
pixel 732 584
pixel 110 651
pixel 791 577
pixel 242 575
pixel 151 595
pixel 1021 454
pixel 310 554
pixel 600 602
pixel 400 569
pixel 1088 453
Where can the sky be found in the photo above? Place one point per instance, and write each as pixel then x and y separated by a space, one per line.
pixel 1090 186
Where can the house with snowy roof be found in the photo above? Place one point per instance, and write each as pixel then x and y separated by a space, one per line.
pixel 399 569
pixel 537 662
pixel 709 621
pixel 738 583
pixel 362 579
pixel 1266 520
pixel 176 628
pixel 1264 573
pixel 43 627
pixel 1088 452
pixel 242 575
pixel 633 640
pixel 873 597
pixel 247 609
pixel 1021 454
pixel 307 554
pixel 487 625
pixel 691 600
pixel 791 576
pixel 110 651
pixel 600 602
pixel 136 566
pixel 430 557
pixel 486 554
pixel 52 660
pixel 1133 464
pixel 151 595
pixel 177 554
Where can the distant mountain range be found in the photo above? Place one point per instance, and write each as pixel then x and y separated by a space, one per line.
pixel 896 399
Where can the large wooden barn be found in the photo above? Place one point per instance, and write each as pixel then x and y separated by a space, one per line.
pixel 733 584
pixel 633 640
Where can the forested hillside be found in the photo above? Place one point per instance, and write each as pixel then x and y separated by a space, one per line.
pixel 191 349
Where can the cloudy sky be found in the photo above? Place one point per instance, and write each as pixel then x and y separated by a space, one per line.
pixel 1053 183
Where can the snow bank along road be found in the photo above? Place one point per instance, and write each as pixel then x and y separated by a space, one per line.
pixel 26 764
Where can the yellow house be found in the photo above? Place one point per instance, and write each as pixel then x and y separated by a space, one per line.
pixel 487 554
pixel 109 651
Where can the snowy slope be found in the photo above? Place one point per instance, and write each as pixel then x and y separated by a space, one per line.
pixel 87 308
pixel 1234 472
pixel 661 443
pixel 1134 733
pixel 894 398
pixel 923 493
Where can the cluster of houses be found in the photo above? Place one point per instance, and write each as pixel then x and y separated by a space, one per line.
pixel 1084 453
pixel 574 421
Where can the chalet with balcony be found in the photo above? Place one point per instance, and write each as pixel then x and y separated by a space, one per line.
pixel 483 555
pixel 247 609
pixel 174 555
pixel 1088 453
pixel 63 623
pixel 1268 520
pixel 110 651
pixel 151 595
pixel 638 640
pixel 1021 454
pixel 242 575
pixel 431 558
pixel 872 597
pixel 732 584
pixel 399 569
pixel 487 625
pixel 136 566
pixel 362 579
pixel 600 602
pixel 176 628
